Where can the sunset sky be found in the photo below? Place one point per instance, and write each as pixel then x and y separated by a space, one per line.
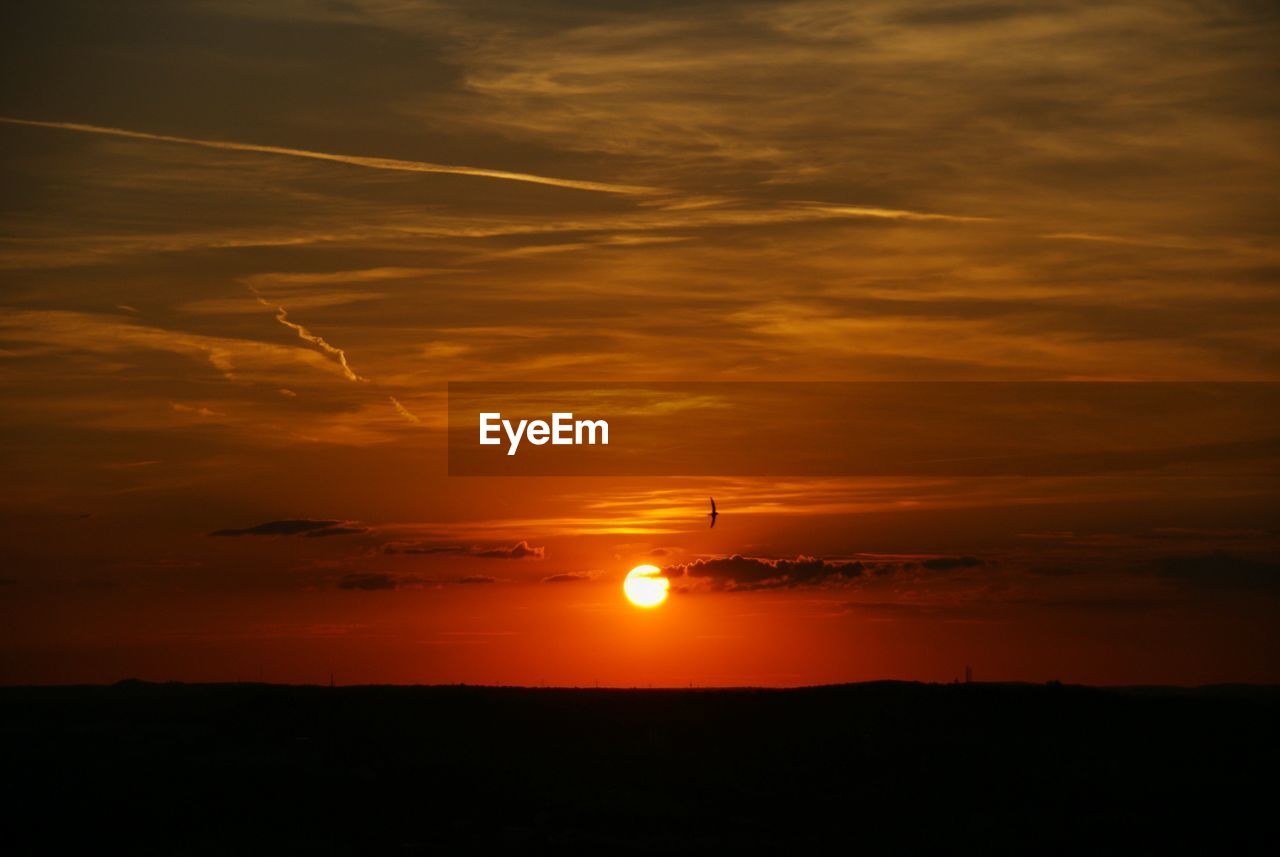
pixel 247 245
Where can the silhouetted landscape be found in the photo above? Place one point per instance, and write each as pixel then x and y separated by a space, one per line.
pixel 889 767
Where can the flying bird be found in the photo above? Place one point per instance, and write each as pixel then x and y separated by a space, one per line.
pixel 713 514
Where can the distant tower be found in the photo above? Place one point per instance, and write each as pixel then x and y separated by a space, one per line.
pixel 968 674
pixel 330 679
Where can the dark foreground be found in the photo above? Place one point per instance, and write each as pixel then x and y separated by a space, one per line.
pixel 872 768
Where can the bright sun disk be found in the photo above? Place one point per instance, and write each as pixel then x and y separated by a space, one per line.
pixel 645 586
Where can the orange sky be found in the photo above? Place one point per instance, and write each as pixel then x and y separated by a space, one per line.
pixel 246 246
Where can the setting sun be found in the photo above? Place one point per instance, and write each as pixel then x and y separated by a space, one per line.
pixel 645 586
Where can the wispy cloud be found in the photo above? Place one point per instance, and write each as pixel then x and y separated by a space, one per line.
pixel 95 333
pixel 836 210
pixel 363 275
pixel 373 163
pixel 404 412
pixel 282 316
pixel 1164 243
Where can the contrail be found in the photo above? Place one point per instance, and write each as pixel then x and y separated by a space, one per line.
pixel 1167 243
pixel 403 411
pixel 885 213
pixel 282 316
pixel 394 164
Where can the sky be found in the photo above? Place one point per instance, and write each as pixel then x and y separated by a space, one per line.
pixel 246 246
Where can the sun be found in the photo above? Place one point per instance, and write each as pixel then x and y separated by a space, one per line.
pixel 645 586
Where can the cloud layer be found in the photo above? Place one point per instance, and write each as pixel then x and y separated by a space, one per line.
pixel 296 527
pixel 743 573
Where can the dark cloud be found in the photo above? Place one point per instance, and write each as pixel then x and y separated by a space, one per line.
pixel 419 549
pixel 1220 571
pixel 740 573
pixel 472 578
pixel 337 531
pixel 375 581
pixel 1199 533
pixel 1051 570
pixel 745 573
pixel 369 582
pixel 296 527
pixel 520 550
pixel 567 577
pixel 948 563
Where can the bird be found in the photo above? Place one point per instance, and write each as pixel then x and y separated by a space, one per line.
pixel 713 514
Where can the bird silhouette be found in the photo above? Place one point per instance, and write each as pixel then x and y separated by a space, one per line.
pixel 713 514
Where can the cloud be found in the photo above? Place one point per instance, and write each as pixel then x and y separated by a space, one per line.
pixel 75 332
pixel 419 549
pixel 742 573
pixel 368 582
pixel 882 213
pixel 404 412
pixel 1220 570
pixel 279 279
pixel 1215 533
pixel 295 527
pixel 569 577
pixel 282 316
pixel 520 550
pixel 195 410
pixel 1165 243
pixel 948 563
pixel 337 531
pixel 393 164
pixel 379 581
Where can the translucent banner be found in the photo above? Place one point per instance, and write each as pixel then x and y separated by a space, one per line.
pixel 860 428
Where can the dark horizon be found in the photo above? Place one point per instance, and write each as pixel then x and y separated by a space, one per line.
pixel 890 767
pixel 965 313
pixel 130 681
